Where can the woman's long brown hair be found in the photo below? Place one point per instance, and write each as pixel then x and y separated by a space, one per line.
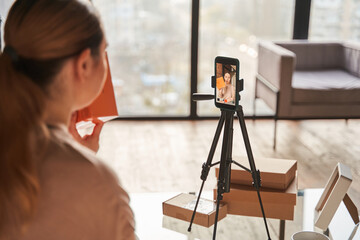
pixel 39 36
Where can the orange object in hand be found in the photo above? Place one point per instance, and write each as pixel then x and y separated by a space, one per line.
pixel 104 106
pixel 220 83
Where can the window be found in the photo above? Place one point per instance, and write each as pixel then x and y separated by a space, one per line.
pixel 149 49
pixel 149 54
pixel 335 20
pixel 232 28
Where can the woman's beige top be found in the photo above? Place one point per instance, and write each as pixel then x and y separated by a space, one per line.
pixel 80 196
pixel 227 92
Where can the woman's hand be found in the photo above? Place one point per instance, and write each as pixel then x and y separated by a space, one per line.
pixel 90 141
pixel 221 92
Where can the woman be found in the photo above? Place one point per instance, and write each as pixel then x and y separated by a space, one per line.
pixel 227 92
pixel 52 187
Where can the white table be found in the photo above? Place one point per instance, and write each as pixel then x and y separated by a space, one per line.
pixel 152 225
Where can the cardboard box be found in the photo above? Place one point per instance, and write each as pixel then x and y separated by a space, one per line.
pixel 274 173
pixel 243 200
pixel 103 107
pixel 182 207
pixel 252 209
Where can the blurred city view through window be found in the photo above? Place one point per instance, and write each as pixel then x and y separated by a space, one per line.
pixel 335 20
pixel 149 46
pixel 149 54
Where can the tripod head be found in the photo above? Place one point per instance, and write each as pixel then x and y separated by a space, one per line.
pixel 239 84
pixel 202 96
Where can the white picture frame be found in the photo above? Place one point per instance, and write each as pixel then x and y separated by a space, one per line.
pixel 333 194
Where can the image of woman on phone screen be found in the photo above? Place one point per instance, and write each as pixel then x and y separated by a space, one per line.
pixel 227 93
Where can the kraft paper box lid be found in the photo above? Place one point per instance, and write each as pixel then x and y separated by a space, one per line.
pixel 274 173
pixel 103 107
pixel 182 207
pixel 243 193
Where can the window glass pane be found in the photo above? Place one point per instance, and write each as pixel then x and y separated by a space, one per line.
pixel 149 54
pixel 4 9
pixel 232 28
pixel 335 20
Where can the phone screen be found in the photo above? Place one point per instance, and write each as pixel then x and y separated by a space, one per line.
pixel 225 83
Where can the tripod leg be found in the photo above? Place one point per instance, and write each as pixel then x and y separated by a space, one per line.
pixel 282 230
pixel 222 185
pixel 215 142
pixel 219 196
pixel 275 130
pixel 254 102
pixel 255 173
pixel 229 153
pixel 197 202
pixel 206 166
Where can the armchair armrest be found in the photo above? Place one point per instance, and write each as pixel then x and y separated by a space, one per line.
pixel 276 64
pixel 275 70
pixel 352 58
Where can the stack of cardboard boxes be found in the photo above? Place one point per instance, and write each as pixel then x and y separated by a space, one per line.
pixel 278 193
pixel 278 189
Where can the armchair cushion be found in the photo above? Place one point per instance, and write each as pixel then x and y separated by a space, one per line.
pixel 321 87
pixel 324 80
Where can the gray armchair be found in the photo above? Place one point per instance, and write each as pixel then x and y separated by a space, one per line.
pixel 303 80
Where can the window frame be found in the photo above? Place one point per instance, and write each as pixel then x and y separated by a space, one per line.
pixel 300 31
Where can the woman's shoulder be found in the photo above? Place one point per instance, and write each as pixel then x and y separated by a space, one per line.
pixel 75 164
pixel 80 193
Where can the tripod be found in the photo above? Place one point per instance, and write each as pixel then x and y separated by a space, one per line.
pixel 223 184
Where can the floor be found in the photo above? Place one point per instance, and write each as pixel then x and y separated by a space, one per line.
pixel 158 156
pixel 166 156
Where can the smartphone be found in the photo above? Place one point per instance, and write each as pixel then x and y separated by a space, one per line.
pixel 226 77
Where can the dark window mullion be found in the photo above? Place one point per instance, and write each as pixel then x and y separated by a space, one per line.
pixel 194 55
pixel 301 19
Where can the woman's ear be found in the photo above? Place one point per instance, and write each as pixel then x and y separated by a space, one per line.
pixel 83 65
